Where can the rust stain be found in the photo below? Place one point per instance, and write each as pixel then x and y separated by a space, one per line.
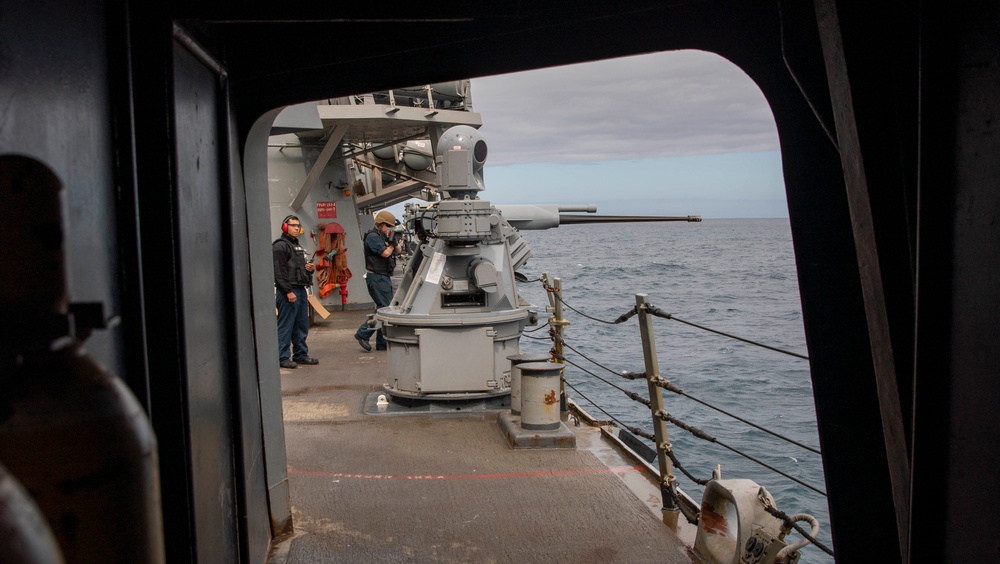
pixel 550 397
pixel 282 527
pixel 712 522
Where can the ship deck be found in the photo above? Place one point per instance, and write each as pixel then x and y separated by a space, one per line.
pixel 441 483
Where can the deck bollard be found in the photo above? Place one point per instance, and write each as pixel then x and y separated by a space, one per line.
pixel 515 376
pixel 540 395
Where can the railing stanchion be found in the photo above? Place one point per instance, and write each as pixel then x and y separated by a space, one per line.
pixel 670 508
pixel 557 322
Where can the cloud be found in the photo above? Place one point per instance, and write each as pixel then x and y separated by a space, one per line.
pixel 651 106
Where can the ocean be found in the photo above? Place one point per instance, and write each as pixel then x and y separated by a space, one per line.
pixel 736 276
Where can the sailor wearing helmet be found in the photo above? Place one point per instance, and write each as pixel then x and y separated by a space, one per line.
pixel 380 251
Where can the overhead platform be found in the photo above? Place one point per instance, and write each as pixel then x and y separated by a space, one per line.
pixel 386 140
pixel 390 138
pixel 382 123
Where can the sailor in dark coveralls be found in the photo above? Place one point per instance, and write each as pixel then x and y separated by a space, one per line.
pixel 292 275
pixel 379 264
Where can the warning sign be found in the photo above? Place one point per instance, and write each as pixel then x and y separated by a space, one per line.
pixel 326 210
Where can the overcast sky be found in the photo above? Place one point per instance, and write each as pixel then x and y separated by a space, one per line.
pixel 673 133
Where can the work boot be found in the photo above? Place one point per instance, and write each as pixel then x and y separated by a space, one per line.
pixel 289 364
pixel 364 344
pixel 307 360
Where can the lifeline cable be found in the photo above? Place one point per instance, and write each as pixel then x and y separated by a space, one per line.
pixel 655 311
pixel 672 388
pixel 620 319
pixel 536 338
pixel 705 436
pixel 784 518
pixel 634 430
pixel 693 430
pixel 672 490
pixel 570 362
pixel 626 375
pixel 668 386
pixel 599 408
pixel 660 313
pixel 669 452
pixel 546 324
pixel 637 431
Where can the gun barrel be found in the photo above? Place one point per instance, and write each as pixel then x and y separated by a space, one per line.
pixel 587 208
pixel 547 216
pixel 566 219
pixel 539 216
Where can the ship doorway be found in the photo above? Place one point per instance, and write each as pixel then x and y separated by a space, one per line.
pixel 673 133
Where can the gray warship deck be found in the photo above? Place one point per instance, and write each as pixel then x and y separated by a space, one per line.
pixel 441 483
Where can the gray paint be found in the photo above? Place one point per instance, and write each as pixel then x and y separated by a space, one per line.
pixel 65 122
pixel 925 77
pixel 259 237
pixel 254 471
pixel 203 261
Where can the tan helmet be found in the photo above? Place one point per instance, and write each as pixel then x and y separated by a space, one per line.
pixel 385 217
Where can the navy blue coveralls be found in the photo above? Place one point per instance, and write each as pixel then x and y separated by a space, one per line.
pixel 378 278
pixel 290 275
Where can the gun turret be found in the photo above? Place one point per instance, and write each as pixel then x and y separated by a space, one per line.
pixel 457 300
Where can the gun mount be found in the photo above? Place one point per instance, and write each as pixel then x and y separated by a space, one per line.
pixel 457 303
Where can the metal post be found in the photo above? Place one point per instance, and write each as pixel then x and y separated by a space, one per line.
pixel 670 509
pixel 557 323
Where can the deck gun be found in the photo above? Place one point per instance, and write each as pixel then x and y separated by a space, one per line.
pixel 457 302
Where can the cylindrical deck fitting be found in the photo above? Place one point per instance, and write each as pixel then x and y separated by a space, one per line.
pixel 515 377
pixel 540 395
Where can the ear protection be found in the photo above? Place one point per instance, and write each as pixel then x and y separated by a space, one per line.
pixel 284 224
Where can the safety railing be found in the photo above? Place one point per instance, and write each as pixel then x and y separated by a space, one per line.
pixel 667 458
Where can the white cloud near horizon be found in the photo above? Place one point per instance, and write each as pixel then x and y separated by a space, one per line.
pixel 662 105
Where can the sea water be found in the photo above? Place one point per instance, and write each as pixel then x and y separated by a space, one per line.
pixel 731 275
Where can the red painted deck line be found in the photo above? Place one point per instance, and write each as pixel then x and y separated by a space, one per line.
pixel 502 476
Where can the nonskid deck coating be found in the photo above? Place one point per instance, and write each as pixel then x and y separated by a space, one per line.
pixel 442 485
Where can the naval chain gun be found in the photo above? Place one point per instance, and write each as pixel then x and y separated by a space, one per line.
pixel 457 303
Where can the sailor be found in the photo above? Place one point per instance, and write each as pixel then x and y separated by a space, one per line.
pixel 380 250
pixel 292 275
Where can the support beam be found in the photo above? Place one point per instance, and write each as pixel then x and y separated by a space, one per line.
pixel 872 281
pixel 387 196
pixel 317 168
